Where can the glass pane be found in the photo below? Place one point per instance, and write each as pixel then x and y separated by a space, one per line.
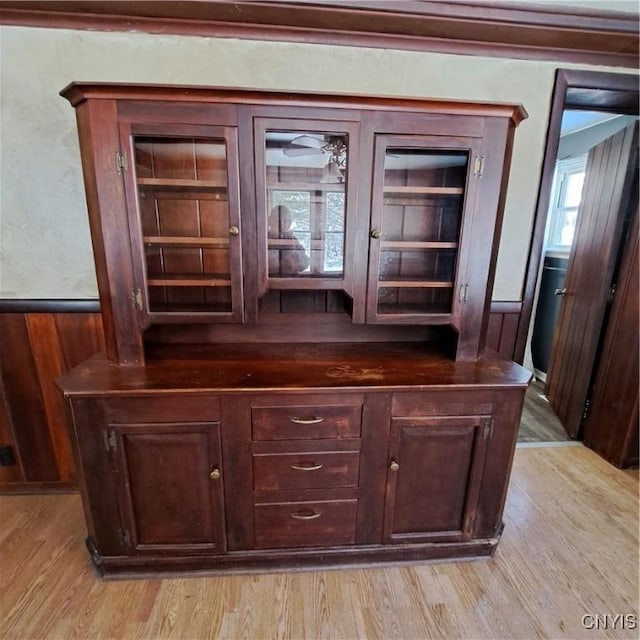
pixel 573 191
pixel 306 178
pixel 567 224
pixel 398 300
pixel 420 228
pixel 420 265
pixel 182 191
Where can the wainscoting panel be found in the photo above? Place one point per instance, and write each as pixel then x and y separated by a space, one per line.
pixel 36 348
pixel 41 340
pixel 503 328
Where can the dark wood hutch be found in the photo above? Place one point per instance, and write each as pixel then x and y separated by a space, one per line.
pixel 295 292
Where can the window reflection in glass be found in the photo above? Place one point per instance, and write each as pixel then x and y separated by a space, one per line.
pixel 306 176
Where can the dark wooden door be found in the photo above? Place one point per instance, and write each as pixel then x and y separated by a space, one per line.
pixel 169 483
pixel 606 195
pixel 434 476
pixel 611 426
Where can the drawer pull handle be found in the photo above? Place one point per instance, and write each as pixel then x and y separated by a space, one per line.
pixel 306 467
pixel 311 420
pixel 307 514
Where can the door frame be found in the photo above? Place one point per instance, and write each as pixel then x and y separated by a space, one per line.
pixel 580 90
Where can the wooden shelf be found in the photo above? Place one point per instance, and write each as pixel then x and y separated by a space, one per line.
pixel 415 284
pixel 423 191
pixel 415 309
pixel 283 243
pixel 188 280
pixel 407 245
pixel 307 186
pixel 184 241
pixel 181 183
pixel 203 308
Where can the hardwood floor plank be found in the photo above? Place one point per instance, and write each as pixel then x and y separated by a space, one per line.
pixel 539 423
pixel 570 548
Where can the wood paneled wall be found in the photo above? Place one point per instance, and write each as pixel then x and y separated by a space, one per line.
pixel 502 330
pixel 37 346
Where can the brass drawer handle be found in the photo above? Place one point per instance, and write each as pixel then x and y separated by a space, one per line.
pixel 307 514
pixel 306 467
pixel 311 420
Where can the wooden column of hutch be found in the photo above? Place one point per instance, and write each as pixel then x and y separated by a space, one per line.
pixel 295 292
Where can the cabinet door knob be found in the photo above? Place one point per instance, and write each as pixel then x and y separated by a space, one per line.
pixel 375 233
pixel 215 474
pixel 394 466
pixel 234 231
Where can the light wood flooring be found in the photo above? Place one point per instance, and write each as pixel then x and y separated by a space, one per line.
pixel 539 423
pixel 570 549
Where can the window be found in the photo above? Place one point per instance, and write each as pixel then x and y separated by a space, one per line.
pixel 565 201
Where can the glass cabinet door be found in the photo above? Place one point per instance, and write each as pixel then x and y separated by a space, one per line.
pixel 417 213
pixel 303 198
pixel 185 189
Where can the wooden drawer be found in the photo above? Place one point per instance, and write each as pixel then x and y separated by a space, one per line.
pixel 305 470
pixel 302 422
pixel 305 524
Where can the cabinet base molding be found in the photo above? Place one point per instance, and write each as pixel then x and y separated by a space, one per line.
pixel 251 562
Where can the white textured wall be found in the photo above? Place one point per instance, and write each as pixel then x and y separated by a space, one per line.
pixel 45 248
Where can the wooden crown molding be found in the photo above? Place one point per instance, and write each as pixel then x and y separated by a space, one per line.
pixel 471 27
pixel 78 92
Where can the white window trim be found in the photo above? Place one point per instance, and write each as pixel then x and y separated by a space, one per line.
pixel 555 217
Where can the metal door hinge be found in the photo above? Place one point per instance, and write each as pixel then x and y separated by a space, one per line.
pixel 123 536
pixel 612 292
pixel 136 299
pixel 478 165
pixel 488 430
pixel 464 293
pixel 110 441
pixel 121 162
pixel 587 408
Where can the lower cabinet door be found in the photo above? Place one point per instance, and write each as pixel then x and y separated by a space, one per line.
pixel 433 479
pixel 169 483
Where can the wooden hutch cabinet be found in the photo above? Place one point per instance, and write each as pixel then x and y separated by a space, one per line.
pixel 295 293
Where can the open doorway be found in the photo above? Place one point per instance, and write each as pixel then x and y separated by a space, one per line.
pixel 587 108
